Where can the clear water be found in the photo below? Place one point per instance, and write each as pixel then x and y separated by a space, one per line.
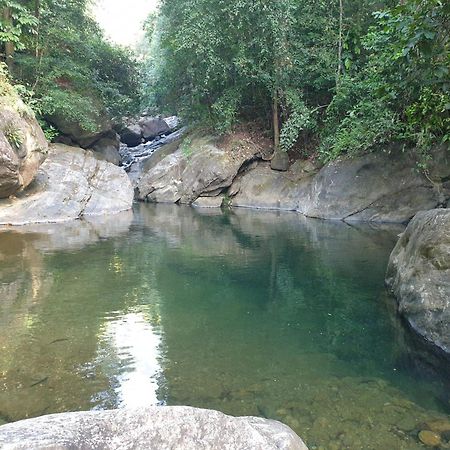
pixel 247 312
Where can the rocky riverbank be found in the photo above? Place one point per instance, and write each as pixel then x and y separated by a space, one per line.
pixel 376 187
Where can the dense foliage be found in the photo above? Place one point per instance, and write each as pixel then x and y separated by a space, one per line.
pixel 69 70
pixel 347 75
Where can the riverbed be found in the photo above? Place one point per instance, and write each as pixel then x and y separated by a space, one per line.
pixel 248 312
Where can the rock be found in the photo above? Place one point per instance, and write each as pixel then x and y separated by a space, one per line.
pixel 209 202
pixel 173 122
pixel 377 187
pixel 200 167
pixel 280 161
pixel 418 275
pixel 152 127
pixel 263 188
pixel 70 184
pixel 81 136
pixel 439 426
pixel 151 428
pixel 108 149
pixel 131 135
pixel 430 438
pixel 23 146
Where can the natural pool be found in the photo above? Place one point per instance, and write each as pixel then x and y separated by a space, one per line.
pixel 247 312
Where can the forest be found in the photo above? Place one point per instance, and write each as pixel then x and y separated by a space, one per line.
pixel 320 78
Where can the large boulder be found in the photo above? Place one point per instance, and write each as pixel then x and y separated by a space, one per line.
pixel 70 184
pixel 131 135
pixel 200 167
pixel 23 146
pixel 263 188
pixel 377 187
pixel 157 428
pixel 418 275
pixel 152 127
pixel 84 137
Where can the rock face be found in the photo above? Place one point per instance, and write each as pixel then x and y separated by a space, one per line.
pixel 23 146
pixel 156 428
pixel 377 187
pixel 419 276
pixel 201 167
pixel 70 184
pixel 152 127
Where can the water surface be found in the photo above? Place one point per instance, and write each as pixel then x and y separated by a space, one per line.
pixel 247 312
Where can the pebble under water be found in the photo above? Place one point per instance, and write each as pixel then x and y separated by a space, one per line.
pixel 248 312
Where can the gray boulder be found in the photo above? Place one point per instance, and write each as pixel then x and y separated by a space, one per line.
pixel 108 149
pixel 377 187
pixel 263 188
pixel 152 127
pixel 280 161
pixel 81 136
pixel 70 184
pixel 418 275
pixel 159 428
pixel 23 146
pixel 200 167
pixel 131 135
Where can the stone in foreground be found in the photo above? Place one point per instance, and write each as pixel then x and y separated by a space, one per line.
pixel 419 276
pixel 158 428
pixel 72 183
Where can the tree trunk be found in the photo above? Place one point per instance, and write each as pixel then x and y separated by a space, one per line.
pixel 341 26
pixel 37 13
pixel 9 46
pixel 276 123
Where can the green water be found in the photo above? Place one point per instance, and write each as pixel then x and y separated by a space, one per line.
pixel 250 313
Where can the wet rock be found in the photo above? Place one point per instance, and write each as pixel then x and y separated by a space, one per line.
pixel 280 161
pixel 152 428
pixel 152 127
pixel 439 426
pixel 430 438
pixel 418 275
pixel 70 184
pixel 131 135
pixel 23 146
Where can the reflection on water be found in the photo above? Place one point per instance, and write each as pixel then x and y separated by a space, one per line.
pixel 251 313
pixel 137 345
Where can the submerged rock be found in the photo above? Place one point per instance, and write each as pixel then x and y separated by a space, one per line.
pixel 70 184
pixel 418 275
pixel 152 428
pixel 430 438
pixel 23 146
